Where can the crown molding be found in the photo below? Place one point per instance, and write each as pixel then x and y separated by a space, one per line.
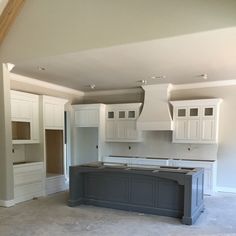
pixel 35 82
pixel 113 92
pixel 210 84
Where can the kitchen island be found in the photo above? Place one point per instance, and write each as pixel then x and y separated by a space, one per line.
pixel 163 190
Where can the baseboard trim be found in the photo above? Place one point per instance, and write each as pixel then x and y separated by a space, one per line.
pixel 226 189
pixel 7 203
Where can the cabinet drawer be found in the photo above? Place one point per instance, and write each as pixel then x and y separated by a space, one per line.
pixel 28 177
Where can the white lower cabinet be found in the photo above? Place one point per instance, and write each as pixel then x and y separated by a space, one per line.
pixel 28 181
pixel 210 167
pixel 55 184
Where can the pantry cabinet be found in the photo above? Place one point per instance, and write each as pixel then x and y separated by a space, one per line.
pixel 196 121
pixel 25 117
pixel 121 122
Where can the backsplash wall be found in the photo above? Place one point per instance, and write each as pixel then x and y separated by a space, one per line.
pixel 159 144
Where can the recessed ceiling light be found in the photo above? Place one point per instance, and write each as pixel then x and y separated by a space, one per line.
pixel 158 77
pixel 92 86
pixel 204 76
pixel 41 68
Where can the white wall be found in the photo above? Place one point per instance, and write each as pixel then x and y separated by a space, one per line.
pixel 159 144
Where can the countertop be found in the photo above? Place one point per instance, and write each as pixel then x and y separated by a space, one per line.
pixel 161 158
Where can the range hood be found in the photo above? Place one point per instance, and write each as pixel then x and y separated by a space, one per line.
pixel 156 113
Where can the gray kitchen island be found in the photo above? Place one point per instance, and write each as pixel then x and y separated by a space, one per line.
pixel 164 190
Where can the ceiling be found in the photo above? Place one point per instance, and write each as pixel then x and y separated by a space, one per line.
pixel 181 59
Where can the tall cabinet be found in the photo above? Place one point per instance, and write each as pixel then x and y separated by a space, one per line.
pixel 53 133
pixel 88 133
pixel 27 161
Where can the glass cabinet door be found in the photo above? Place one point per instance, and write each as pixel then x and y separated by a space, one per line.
pixel 181 112
pixel 110 114
pixel 194 112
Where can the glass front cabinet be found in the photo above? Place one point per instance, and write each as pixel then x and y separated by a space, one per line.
pixel 196 121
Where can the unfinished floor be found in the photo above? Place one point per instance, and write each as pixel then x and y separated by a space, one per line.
pixel 51 216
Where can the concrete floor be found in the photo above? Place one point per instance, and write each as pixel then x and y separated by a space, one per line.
pixel 51 216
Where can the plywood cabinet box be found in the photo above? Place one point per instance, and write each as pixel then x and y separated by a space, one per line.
pixel 196 121
pixel 25 117
pixel 121 122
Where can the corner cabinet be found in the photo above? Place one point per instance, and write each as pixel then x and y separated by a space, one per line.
pixel 121 123
pixel 196 121
pixel 24 117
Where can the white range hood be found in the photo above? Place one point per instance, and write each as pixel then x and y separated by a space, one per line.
pixel 156 113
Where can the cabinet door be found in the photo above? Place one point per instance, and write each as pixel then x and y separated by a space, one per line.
pixel 54 116
pixel 58 116
pixel 48 115
pixel 194 129
pixel 181 129
pixel 131 132
pixel 110 130
pixel 21 110
pixel 208 129
pixel 87 118
pixel 121 130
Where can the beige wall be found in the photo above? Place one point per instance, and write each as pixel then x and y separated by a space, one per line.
pixel 48 28
pixel 114 98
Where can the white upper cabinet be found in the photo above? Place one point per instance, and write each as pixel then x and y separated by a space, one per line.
pixel 121 123
pixel 53 112
pixel 196 121
pixel 25 117
pixel 87 115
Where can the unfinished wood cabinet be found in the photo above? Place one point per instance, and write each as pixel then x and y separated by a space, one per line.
pixel 54 152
